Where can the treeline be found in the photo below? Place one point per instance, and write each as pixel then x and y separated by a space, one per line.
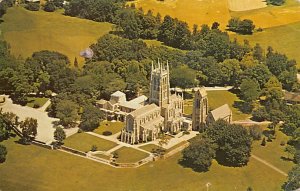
pixel 4 5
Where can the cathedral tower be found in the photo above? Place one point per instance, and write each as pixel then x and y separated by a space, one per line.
pixel 200 109
pixel 160 84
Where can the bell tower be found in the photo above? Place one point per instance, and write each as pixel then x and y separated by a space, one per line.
pixel 160 84
pixel 200 109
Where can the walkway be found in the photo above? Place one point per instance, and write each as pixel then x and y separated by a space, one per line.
pixel 269 165
pixel 45 123
pixel 45 106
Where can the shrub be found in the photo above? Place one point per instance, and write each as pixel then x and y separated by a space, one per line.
pixel 36 105
pixel 33 6
pixel 94 148
pixel 80 131
pixel 49 7
pixel 282 143
pixel 107 133
pixel 3 153
pixel 263 142
pixel 255 132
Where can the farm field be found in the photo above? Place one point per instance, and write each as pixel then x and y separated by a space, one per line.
pixel 76 173
pixel 209 11
pixel 28 31
pixel 284 39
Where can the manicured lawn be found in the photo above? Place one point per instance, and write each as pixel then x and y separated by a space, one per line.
pixel 84 142
pixel 114 127
pixel 33 168
pixel 176 146
pixel 36 100
pixel 217 99
pixel 287 39
pixel 129 155
pixel 29 31
pixel 102 156
pixel 150 147
pixel 273 152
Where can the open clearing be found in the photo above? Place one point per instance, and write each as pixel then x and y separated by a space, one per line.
pixel 285 39
pixel 29 31
pixel 53 170
pixel 113 127
pixel 245 5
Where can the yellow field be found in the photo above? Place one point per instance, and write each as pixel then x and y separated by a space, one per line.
pixel 209 11
pixel 191 11
pixel 28 32
pixel 245 5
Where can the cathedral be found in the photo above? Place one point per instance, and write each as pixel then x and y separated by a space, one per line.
pixel 145 118
pixel 163 113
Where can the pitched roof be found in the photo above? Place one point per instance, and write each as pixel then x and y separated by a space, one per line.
pixel 118 94
pixel 221 112
pixel 202 92
pixel 144 110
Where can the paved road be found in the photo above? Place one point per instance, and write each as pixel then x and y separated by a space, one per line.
pixel 269 165
pixel 45 123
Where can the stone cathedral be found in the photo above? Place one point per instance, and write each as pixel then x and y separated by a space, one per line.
pixel 162 113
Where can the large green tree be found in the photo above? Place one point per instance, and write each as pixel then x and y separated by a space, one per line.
pixel 67 112
pixel 29 129
pixel 199 154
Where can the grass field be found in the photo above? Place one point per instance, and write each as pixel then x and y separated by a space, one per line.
pixel 284 39
pixel 31 101
pixel 273 152
pixel 129 155
pixel 150 147
pixel 31 168
pixel 28 31
pixel 114 127
pixel 84 142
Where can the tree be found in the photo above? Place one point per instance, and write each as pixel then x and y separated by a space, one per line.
pixel 33 6
pixel 90 118
pixel 255 132
pixel 260 114
pixel 293 182
pixel 67 112
pixel 234 143
pixel 183 77
pixel 273 89
pixel 49 6
pixel 263 142
pixel 29 129
pixel 59 135
pixel 199 154
pixel 4 129
pixel 297 156
pixel 250 90
pixel 3 153
pixel 290 150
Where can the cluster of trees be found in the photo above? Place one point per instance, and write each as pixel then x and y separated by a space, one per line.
pixel 32 6
pixel 245 26
pixel 52 5
pixel 4 5
pixel 276 2
pixel 229 144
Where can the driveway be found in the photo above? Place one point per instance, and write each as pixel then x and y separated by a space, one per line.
pixel 45 123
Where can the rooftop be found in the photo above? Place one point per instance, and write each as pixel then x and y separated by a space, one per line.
pixel 145 110
pixel 221 112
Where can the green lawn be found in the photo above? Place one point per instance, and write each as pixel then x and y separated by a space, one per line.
pixel 150 147
pixel 114 127
pixel 284 39
pixel 102 156
pixel 129 155
pixel 29 31
pixel 31 168
pixel 273 152
pixel 84 142
pixel 217 99
pixel 31 101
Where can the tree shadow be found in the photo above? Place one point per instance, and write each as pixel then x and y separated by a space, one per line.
pixel 187 164
pixel 243 106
